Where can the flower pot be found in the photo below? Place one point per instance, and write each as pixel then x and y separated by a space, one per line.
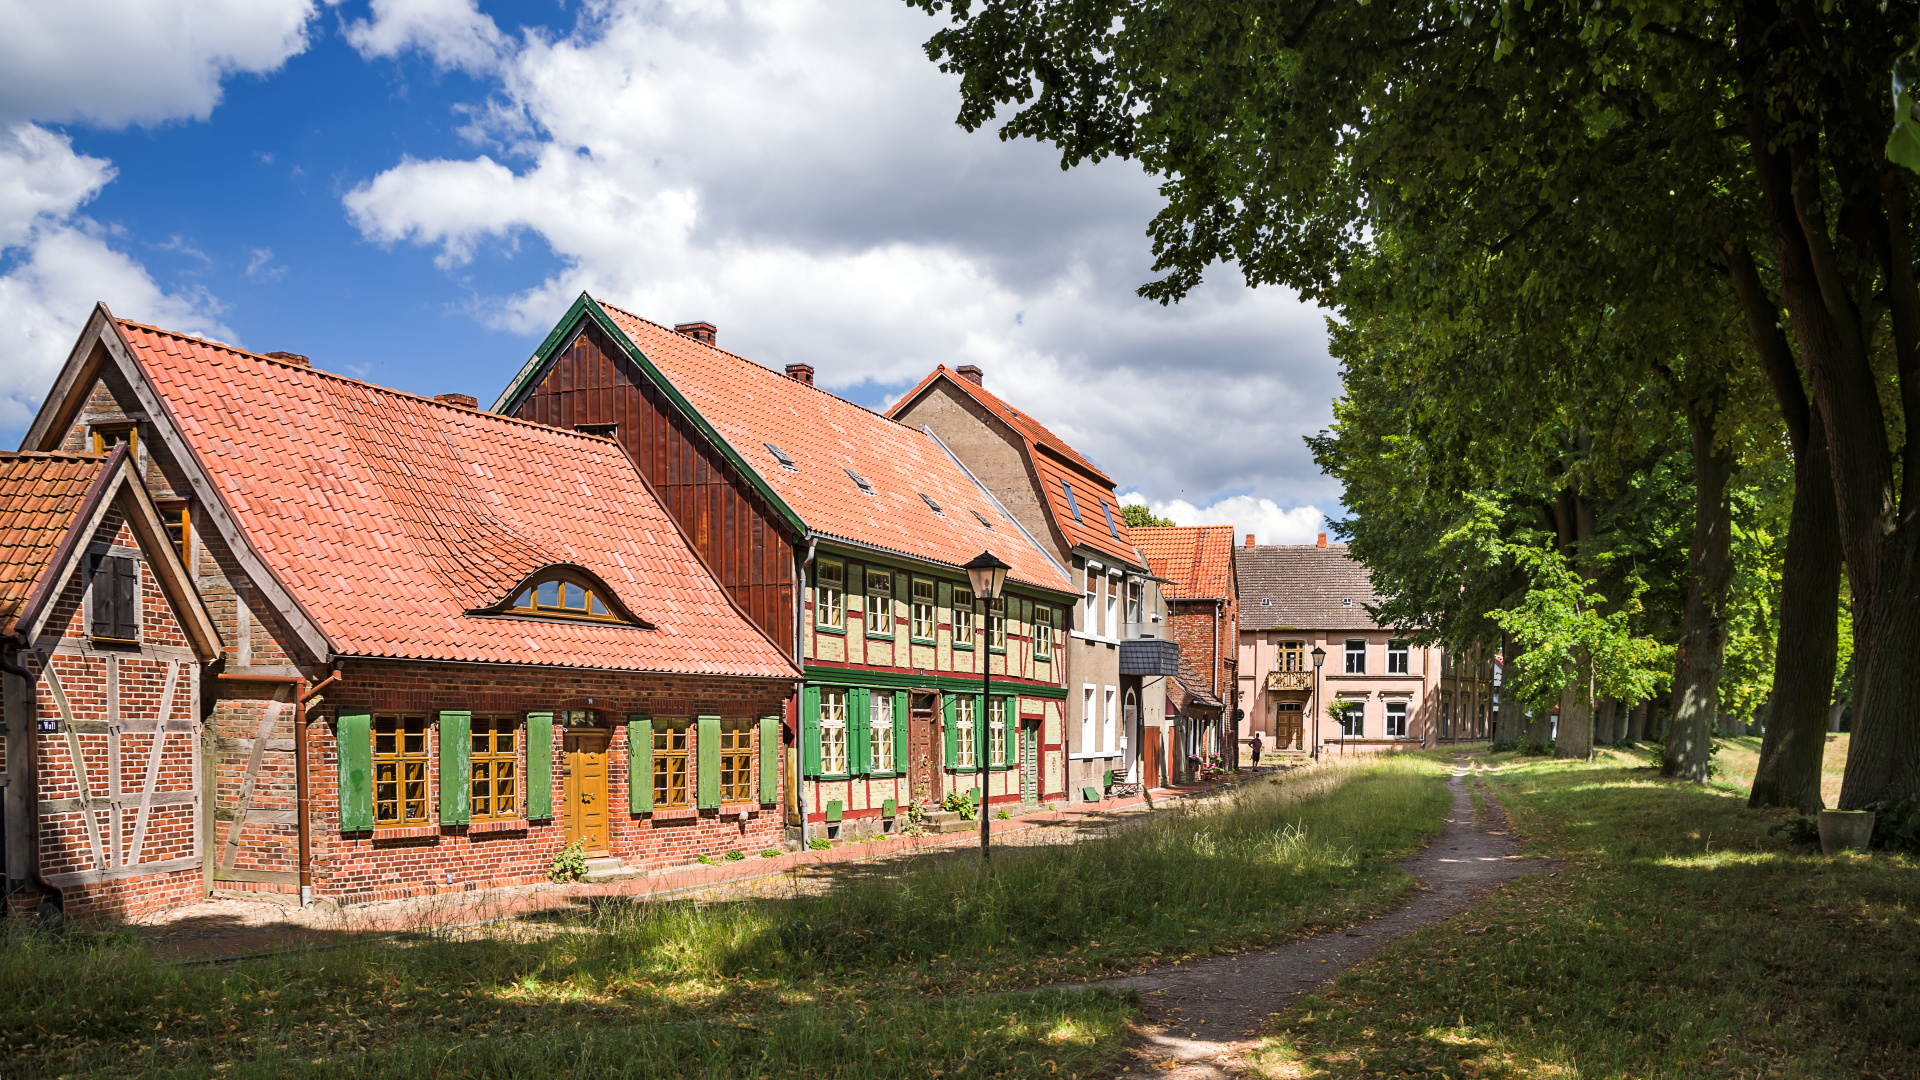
pixel 1845 830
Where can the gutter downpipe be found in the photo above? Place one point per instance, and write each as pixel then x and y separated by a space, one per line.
pixel 302 800
pixel 799 691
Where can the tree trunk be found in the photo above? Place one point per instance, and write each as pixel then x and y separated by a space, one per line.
pixel 1539 728
pixel 1575 741
pixel 1511 721
pixel 1703 630
pixel 1637 722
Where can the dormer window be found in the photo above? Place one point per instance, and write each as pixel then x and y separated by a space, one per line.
pixel 781 456
pixel 982 519
pixel 931 505
pixel 860 480
pixel 564 592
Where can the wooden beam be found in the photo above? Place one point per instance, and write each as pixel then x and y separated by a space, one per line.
pixel 153 761
pixel 79 764
pixel 121 873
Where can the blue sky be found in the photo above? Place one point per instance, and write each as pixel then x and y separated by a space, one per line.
pixel 411 191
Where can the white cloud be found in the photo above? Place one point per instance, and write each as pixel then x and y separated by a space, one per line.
pixel 1264 518
pixel 116 62
pixel 261 267
pixel 452 33
pixel 791 172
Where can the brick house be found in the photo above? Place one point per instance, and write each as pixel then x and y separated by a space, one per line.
pixel 1375 690
pixel 453 643
pixel 1197 571
pixel 1119 658
pixel 843 535
pixel 105 646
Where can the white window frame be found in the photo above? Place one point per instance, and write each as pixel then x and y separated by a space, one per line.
pixel 1091 599
pixel 997 732
pixel 963 734
pixel 833 732
pixel 1110 623
pixel 921 616
pixel 1107 718
pixel 1136 602
pixel 1396 711
pixel 1399 658
pixel 963 617
pixel 1043 632
pixel 1353 722
pixel 829 601
pixel 1350 667
pixel 879 614
pixel 880 724
pixel 997 624
pixel 1086 720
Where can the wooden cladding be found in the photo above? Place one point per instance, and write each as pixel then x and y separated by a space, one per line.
pixel 591 386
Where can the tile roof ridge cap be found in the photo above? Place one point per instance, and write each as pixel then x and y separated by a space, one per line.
pixel 1083 466
pixel 349 380
pixel 51 455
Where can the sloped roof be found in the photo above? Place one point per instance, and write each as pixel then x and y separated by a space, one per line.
pixel 389 517
pixel 827 437
pixel 1303 586
pixel 41 495
pixel 1198 559
pixel 1058 464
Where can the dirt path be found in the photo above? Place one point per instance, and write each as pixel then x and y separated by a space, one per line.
pixel 1204 1016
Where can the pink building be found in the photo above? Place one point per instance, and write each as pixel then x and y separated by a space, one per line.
pixel 1372 689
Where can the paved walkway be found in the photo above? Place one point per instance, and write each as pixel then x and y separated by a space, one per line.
pixel 234 924
pixel 1203 1017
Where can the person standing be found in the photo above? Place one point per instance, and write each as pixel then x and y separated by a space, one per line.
pixel 1257 746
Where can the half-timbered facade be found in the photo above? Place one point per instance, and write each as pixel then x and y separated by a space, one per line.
pixel 843 534
pixel 452 643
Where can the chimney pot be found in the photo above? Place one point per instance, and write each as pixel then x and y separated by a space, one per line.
pixel 1323 540
pixel 293 358
pixel 465 401
pixel 698 331
pixel 800 373
pixel 971 373
pixel 1249 539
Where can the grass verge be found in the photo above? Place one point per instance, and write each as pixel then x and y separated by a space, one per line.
pixel 876 978
pixel 1680 941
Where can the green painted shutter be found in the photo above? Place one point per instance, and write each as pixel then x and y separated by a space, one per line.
pixel 640 763
pixel 900 726
pixel 456 767
pixel 981 736
pixel 769 760
pixel 353 739
pixel 540 766
pixel 810 731
pixel 709 751
pixel 859 748
pixel 952 727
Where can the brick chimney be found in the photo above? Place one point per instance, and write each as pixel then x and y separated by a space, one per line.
pixel 970 372
pixel 293 358
pixel 698 331
pixel 800 373
pixel 1249 539
pixel 1323 540
pixel 465 401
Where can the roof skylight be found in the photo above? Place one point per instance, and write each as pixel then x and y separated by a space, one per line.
pixel 780 456
pixel 1072 506
pixel 983 519
pixel 934 506
pixel 1111 527
pixel 861 480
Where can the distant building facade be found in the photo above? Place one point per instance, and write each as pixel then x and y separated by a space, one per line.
pixel 1196 568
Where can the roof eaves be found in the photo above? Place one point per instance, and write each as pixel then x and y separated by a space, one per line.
pixel 53 577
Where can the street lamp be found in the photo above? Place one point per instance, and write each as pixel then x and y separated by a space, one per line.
pixel 1319 657
pixel 988 576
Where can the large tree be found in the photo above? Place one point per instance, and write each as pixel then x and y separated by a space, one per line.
pixel 1290 135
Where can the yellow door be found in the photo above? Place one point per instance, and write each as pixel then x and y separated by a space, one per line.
pixel 587 790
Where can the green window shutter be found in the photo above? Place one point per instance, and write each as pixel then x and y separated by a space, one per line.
pixel 540 766
pixel 353 738
pixel 859 748
pixel 900 726
pixel 640 763
pixel 709 751
pixel 810 731
pixel 456 767
pixel 769 760
pixel 952 727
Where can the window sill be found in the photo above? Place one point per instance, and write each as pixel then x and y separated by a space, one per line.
pixel 673 813
pixel 837 631
pixel 503 825
pixel 405 833
pixel 875 635
pixel 113 641
pixel 967 769
pixel 965 646
pixel 924 641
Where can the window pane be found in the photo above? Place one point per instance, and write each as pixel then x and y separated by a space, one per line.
pixel 549 593
pixel 574 596
pixel 594 605
pixel 524 600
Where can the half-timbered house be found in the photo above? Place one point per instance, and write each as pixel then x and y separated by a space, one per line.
pixel 452 642
pixel 843 534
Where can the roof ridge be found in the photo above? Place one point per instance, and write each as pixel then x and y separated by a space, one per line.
pixel 50 455
pixel 1071 457
pixel 308 369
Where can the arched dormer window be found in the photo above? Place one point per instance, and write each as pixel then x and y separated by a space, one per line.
pixel 565 592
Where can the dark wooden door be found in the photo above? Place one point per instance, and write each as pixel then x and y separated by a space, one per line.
pixel 923 750
pixel 587 791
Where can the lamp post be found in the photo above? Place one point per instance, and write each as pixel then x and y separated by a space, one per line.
pixel 1319 657
pixel 988 576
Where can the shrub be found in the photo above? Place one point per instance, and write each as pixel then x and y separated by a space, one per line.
pixel 1004 816
pixel 819 843
pixel 705 859
pixel 770 853
pixel 735 855
pixel 1896 825
pixel 1797 830
pixel 960 803
pixel 569 864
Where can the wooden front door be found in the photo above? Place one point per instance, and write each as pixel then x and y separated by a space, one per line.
pixel 1289 732
pixel 1029 763
pixel 587 791
pixel 923 750
pixel 1151 748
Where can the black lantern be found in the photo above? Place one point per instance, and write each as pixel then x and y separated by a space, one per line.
pixel 988 575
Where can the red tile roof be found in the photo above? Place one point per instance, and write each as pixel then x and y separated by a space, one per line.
pixel 1198 559
pixel 389 517
pixel 826 437
pixel 40 495
pixel 1058 464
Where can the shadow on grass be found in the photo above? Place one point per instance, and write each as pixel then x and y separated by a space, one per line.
pixel 1681 941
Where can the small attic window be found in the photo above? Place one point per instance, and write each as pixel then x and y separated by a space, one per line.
pixel 780 456
pixel 1073 507
pixel 982 518
pixel 605 431
pixel 1111 527
pixel 861 480
pixel 562 597
pixel 931 505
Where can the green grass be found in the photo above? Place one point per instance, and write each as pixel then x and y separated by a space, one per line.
pixel 1680 940
pixel 875 978
pixel 1739 758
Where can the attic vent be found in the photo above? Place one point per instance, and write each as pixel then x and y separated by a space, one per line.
pixel 1266 601
pixel 1072 506
pixel 934 506
pixel 1348 602
pixel 780 456
pixel 983 519
pixel 1111 527
pixel 861 480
